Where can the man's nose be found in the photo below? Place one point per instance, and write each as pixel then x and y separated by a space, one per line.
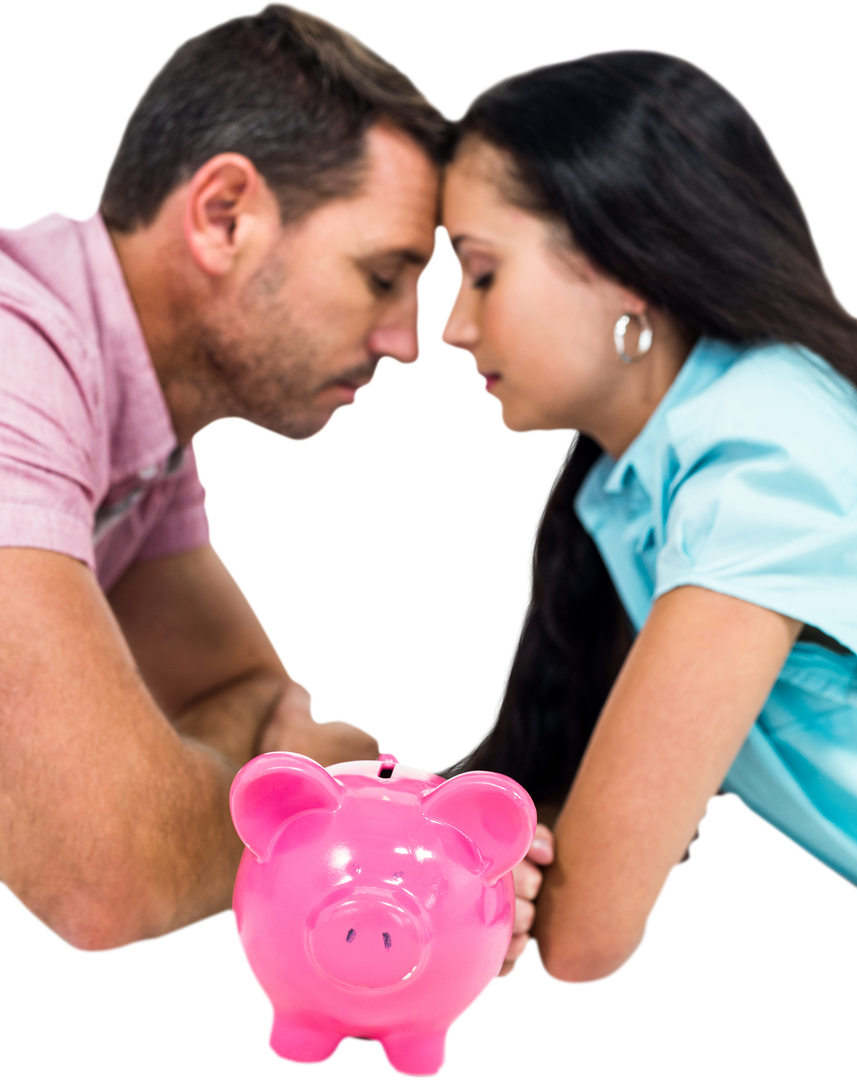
pixel 399 342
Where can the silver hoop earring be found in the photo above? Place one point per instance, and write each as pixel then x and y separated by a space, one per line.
pixel 643 344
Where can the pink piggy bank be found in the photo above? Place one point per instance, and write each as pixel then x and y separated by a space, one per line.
pixel 373 899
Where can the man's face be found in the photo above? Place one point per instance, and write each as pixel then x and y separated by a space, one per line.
pixel 336 292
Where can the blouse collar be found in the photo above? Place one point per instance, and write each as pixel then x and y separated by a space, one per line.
pixel 705 363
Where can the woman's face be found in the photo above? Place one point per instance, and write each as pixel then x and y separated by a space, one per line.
pixel 537 316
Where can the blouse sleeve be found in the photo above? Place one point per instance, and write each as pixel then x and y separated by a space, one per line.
pixel 763 501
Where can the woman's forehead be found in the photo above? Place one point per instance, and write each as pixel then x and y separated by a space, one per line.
pixel 473 184
pixel 480 161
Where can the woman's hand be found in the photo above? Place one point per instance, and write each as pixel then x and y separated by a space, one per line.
pixel 528 881
pixel 291 727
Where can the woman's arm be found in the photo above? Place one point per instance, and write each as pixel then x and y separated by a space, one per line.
pixel 694 682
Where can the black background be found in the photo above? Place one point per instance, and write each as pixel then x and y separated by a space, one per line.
pixel 386 557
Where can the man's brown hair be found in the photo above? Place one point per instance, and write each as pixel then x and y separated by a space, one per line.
pixel 292 93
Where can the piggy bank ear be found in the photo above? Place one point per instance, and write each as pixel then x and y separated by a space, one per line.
pixel 493 810
pixel 272 788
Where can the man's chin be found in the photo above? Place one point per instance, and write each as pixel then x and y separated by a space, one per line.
pixel 303 427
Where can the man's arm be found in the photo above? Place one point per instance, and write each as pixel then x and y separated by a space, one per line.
pixel 200 650
pixel 203 653
pixel 114 823
pixel 694 682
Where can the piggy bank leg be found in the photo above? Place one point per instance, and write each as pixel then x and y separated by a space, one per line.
pixel 419 1054
pixel 300 1043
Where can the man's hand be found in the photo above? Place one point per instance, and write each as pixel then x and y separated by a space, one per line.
pixel 528 882
pixel 291 727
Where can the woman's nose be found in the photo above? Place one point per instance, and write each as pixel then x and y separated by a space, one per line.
pixel 461 329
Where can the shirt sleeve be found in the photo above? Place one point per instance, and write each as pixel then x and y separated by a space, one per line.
pixel 763 505
pixel 168 519
pixel 48 475
pixel 183 525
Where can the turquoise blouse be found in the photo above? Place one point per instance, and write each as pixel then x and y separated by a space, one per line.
pixel 744 481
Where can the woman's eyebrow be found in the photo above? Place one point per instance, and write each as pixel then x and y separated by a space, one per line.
pixel 464 238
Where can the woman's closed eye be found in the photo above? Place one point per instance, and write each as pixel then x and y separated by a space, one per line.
pixel 484 281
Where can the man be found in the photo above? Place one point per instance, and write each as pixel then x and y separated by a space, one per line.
pixel 261 233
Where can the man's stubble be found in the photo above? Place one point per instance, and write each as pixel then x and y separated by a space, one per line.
pixel 265 366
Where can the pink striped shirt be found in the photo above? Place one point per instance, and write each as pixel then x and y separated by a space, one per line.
pixel 89 463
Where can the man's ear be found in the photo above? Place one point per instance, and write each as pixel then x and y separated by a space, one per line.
pixel 229 207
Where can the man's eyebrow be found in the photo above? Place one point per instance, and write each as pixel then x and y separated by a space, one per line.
pixel 406 255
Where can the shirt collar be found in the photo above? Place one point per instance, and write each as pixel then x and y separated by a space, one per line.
pixel 141 431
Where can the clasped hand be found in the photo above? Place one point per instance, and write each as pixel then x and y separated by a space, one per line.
pixel 528 879
pixel 295 727
pixel 291 727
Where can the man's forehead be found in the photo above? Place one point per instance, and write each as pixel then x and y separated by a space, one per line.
pixel 405 238
pixel 392 154
pixel 398 172
pixel 394 213
pixel 395 230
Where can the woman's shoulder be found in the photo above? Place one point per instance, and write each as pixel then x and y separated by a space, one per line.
pixel 759 486
pixel 767 395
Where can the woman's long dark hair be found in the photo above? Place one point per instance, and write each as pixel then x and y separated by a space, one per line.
pixel 665 182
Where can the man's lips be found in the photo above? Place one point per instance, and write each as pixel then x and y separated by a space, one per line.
pixel 346 389
pixel 351 384
pixel 354 379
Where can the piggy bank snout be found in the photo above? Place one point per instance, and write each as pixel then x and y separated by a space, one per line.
pixel 368 939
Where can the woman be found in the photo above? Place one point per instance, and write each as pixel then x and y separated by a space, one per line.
pixel 637 267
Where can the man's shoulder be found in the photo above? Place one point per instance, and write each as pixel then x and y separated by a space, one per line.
pixel 45 278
